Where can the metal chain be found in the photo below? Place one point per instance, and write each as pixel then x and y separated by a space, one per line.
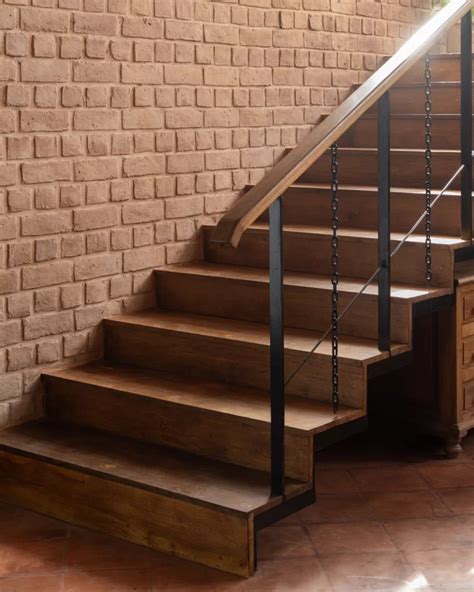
pixel 428 168
pixel 335 279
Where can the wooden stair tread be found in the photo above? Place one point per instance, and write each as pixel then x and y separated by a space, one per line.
pixel 301 413
pixel 367 234
pixel 151 467
pixel 356 349
pixel 304 280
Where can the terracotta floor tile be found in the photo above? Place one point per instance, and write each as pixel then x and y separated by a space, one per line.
pixel 406 504
pixel 346 537
pixel 290 575
pixel 449 569
pixel 428 533
pixel 459 500
pixel 178 575
pixel 337 508
pixel 335 481
pixel 388 479
pixel 118 580
pixel 354 572
pixel 467 521
pixel 276 542
pixel 440 475
pixel 20 557
pixel 97 551
pixel 32 584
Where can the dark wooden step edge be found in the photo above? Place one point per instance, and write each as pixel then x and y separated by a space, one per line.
pixel 297 489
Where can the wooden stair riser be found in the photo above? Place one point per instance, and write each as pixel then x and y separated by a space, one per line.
pixel 224 437
pixel 237 362
pixel 443 69
pixel 305 308
pixel 357 257
pixel 411 99
pixel 175 526
pixel 407 168
pixel 359 209
pixel 405 132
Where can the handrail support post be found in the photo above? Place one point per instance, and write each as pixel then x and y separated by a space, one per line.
pixel 277 369
pixel 466 126
pixel 384 312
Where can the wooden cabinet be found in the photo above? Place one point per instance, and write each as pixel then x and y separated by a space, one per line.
pixel 434 392
pixel 456 360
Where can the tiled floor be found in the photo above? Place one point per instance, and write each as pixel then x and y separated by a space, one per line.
pixel 390 517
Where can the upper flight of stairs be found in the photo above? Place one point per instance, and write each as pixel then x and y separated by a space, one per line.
pixel 166 441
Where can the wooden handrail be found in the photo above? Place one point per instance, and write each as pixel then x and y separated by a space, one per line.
pixel 260 197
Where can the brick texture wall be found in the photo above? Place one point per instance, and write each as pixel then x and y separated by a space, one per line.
pixel 127 123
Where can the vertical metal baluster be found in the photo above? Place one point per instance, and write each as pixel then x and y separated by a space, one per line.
pixel 334 280
pixel 428 169
pixel 466 126
pixel 277 358
pixel 384 305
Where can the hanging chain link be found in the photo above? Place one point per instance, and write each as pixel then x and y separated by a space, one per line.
pixel 428 167
pixel 335 279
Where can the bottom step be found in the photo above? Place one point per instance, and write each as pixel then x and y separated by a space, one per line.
pixel 152 495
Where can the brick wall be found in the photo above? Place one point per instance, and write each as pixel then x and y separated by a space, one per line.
pixel 127 123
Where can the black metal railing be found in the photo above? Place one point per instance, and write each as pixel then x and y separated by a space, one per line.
pixel 466 126
pixel 382 274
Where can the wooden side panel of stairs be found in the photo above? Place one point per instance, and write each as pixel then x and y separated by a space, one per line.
pixel 166 441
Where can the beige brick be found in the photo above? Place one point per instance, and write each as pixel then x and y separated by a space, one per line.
pixel 95 217
pixel 137 213
pixel 74 345
pixel 46 223
pixel 43 121
pixel 142 119
pixel 142 74
pixel 225 159
pixel 96 169
pixel 50 274
pixel 8 175
pixel 45 172
pixel 217 33
pixel 48 324
pixel 96 24
pixel 182 207
pixel 151 164
pixel 40 19
pixel 185 163
pixel 95 72
pixel 10 386
pixel 89 316
pixel 143 258
pixel 7 17
pixel 183 74
pixel 71 296
pixel 97 266
pixel 47 351
pixel 184 118
pixel 20 357
pixel 150 28
pixel 44 70
pixel 96 119
pixel 9 281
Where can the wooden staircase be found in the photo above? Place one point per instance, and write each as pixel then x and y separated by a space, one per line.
pixel 166 441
